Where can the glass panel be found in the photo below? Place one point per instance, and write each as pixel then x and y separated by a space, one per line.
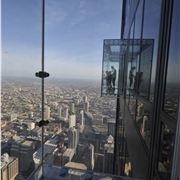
pixel 145 68
pixel 173 71
pixel 165 152
pixel 138 20
pixel 132 71
pixel 129 65
pixel 139 79
pixel 127 21
pixel 135 60
pixel 21 95
pixel 151 31
pixel 82 124
pixel 111 60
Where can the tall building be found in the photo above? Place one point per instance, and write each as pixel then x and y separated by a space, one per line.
pixel 85 98
pixel 60 112
pixel 92 158
pixel 24 152
pixel 73 138
pixel 72 108
pixel 78 130
pixel 82 118
pixel 99 163
pixel 72 120
pixel 82 123
pixel 47 113
pixel 58 155
pixel 86 106
pixel 66 113
pixel 49 147
pixel 9 167
pixel 68 155
pixel 109 155
pixel 111 127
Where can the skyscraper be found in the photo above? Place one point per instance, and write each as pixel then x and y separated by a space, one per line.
pixel 81 120
pixel 72 120
pixel 109 154
pixel 60 112
pixel 57 155
pixel 66 113
pixel 47 113
pixel 73 138
pixel 9 167
pixel 24 152
pixel 86 106
pixel 91 148
pixel 111 127
pixel 72 108
pixel 85 98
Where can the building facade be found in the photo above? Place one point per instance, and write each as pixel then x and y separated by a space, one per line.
pixel 9 167
pixel 149 84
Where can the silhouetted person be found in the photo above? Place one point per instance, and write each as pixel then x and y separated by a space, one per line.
pixel 113 74
pixel 137 80
pixel 131 76
pixel 108 81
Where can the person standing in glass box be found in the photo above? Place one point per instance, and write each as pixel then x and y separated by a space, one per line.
pixel 113 75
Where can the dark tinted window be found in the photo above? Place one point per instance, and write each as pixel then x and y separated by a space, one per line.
pixel 173 72
pixel 151 31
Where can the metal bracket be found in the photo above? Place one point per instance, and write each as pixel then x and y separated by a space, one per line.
pixel 42 74
pixel 43 123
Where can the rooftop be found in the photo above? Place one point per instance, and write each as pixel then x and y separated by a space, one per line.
pixel 76 165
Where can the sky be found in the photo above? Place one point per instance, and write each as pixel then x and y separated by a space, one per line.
pixel 74 33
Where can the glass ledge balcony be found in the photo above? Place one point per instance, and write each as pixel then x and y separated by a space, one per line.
pixel 52 172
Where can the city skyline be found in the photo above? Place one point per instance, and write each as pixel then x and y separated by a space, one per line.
pixel 76 115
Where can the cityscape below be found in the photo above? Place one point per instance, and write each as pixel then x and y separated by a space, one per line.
pixel 80 133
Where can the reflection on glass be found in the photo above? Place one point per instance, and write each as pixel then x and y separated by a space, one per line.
pixel 139 81
pixel 166 152
pixel 143 120
pixel 127 20
pixel 131 77
pixel 130 59
pixel 144 74
pixel 172 93
pixel 132 106
pixel 138 20
pixel 133 6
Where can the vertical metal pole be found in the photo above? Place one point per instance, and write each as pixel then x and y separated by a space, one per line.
pixel 176 156
pixel 116 130
pixel 116 157
pixel 42 68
